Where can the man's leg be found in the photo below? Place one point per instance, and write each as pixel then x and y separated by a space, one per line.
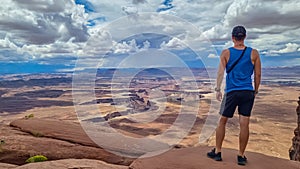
pixel 220 133
pixel 244 134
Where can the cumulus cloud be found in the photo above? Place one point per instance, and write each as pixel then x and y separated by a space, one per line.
pixel 261 14
pixel 290 47
pixel 43 27
pixel 146 45
pixel 174 43
pixel 125 47
pixel 7 44
pixel 130 10
pixel 270 24
pixel 44 22
pixel 212 56
pixel 51 28
pixel 129 47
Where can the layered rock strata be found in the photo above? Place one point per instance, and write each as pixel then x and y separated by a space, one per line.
pixel 295 149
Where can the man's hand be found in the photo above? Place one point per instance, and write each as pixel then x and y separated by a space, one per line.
pixel 219 95
pixel 255 93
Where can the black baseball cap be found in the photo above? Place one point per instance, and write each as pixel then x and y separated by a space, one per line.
pixel 239 32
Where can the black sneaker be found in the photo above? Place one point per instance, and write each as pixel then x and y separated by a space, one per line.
pixel 241 160
pixel 214 155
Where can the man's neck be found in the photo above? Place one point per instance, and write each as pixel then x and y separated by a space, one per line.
pixel 239 45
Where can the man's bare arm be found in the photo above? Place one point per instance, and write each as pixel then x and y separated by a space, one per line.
pixel 223 61
pixel 257 70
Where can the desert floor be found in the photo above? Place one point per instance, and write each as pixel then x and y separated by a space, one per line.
pixel 272 124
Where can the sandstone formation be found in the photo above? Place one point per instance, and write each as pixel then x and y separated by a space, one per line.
pixel 72 164
pixel 188 158
pixel 184 158
pixel 7 166
pixel 62 130
pixel 56 140
pixel 295 149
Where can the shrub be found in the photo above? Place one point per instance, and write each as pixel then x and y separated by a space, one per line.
pixel 29 116
pixel 37 134
pixel 2 142
pixel 37 158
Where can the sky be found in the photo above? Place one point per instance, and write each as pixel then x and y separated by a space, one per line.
pixel 66 35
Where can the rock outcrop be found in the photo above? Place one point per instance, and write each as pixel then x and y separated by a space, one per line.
pixel 7 166
pixel 295 149
pixel 56 140
pixel 72 164
pixel 195 157
pixel 183 158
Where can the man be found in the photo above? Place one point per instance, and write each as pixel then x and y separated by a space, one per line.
pixel 240 63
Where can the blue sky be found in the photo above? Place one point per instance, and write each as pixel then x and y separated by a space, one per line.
pixel 49 35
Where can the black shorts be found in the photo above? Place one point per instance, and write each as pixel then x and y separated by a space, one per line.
pixel 243 99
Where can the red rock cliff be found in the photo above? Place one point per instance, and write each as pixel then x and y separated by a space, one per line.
pixel 295 149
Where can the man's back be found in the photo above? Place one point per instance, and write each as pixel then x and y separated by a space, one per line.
pixel 240 76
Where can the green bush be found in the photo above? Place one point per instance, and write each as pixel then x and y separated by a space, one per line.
pixel 37 158
pixel 29 116
pixel 37 134
pixel 2 142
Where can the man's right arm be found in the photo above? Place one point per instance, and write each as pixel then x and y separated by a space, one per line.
pixel 220 75
pixel 257 70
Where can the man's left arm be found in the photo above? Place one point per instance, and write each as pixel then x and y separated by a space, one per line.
pixel 257 70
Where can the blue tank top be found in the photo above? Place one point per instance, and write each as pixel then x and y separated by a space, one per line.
pixel 240 78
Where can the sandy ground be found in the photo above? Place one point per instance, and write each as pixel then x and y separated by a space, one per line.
pixel 272 123
pixel 190 158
